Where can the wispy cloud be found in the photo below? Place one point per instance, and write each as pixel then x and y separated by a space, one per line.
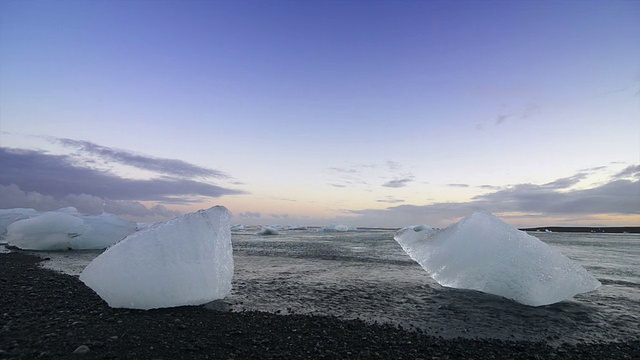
pixel 390 200
pixel 393 165
pixel 56 175
pixel 459 185
pixel 632 171
pixel 171 167
pixel 397 183
pixel 490 187
pixel 565 183
pixel 250 215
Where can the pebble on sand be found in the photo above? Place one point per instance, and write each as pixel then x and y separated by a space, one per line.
pixel 81 350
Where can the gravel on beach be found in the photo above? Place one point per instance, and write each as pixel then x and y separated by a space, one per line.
pixel 50 315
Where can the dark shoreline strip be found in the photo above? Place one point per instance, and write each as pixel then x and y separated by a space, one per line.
pixel 49 315
pixel 588 229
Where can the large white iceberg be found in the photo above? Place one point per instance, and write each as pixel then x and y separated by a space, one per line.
pixel 9 216
pixel 49 231
pixel 483 253
pixel 184 261
pixel 64 229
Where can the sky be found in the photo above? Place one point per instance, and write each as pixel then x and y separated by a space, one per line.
pixel 364 113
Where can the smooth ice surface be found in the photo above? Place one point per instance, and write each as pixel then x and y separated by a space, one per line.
pixel 9 216
pixel 49 231
pixel 104 231
pixel 184 261
pixel 483 253
pixel 63 229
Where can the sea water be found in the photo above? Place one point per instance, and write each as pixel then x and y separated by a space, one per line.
pixel 366 275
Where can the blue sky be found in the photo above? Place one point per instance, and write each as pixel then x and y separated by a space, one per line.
pixel 360 112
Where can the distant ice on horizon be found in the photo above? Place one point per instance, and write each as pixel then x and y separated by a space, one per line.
pixel 337 228
pixel 483 253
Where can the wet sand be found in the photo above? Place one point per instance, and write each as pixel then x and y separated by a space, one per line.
pixel 49 315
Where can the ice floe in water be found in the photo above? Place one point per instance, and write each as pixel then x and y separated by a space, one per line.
pixel 63 229
pixel 268 230
pixel 184 261
pixel 483 253
pixel 337 228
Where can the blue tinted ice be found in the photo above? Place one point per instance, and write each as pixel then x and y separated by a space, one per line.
pixel 184 261
pixel 483 253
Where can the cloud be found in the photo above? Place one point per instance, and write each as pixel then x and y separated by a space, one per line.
pixel 619 196
pixel 57 176
pixel 501 119
pixel 565 183
pixel 393 165
pixel 615 197
pixel 171 167
pixel 344 170
pixel 397 183
pixel 459 185
pixel 250 215
pixel 490 187
pixel 11 196
pixel 632 171
pixel 390 200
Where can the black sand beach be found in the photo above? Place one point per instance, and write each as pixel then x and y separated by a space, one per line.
pixel 50 315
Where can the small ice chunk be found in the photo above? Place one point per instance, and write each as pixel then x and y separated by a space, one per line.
pixel 268 230
pixel 483 253
pixel 337 228
pixel 296 227
pixel 237 227
pixel 50 231
pixel 418 228
pixel 184 261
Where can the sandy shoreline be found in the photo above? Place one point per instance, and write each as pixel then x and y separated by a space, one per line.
pixel 50 315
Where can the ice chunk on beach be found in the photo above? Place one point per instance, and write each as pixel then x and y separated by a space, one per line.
pixel 9 216
pixel 483 253
pixel 64 230
pixel 49 231
pixel 337 228
pixel 296 227
pixel 237 227
pixel 268 230
pixel 184 261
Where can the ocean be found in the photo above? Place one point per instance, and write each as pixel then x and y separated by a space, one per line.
pixel 366 275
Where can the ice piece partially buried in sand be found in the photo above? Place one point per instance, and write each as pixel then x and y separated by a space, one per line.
pixel 184 261
pixel 483 253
